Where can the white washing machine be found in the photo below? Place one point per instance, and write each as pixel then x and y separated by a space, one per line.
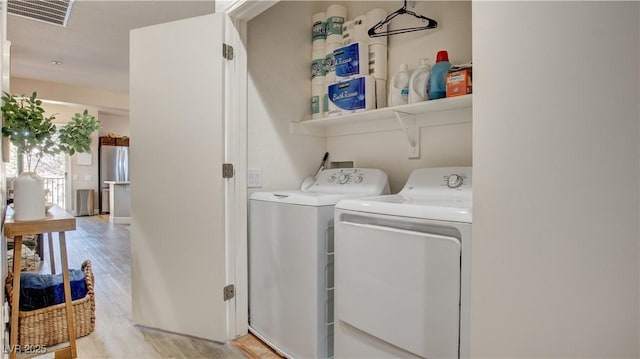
pixel 402 269
pixel 291 260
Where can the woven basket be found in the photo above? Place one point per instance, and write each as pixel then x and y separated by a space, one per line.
pixel 48 326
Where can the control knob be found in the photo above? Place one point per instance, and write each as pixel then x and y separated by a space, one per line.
pixel 358 179
pixel 331 178
pixel 344 178
pixel 454 181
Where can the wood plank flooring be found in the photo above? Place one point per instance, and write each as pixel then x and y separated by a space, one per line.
pixel 108 247
pixel 254 348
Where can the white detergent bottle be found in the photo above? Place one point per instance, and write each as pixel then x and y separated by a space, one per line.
pixel 418 82
pixel 399 87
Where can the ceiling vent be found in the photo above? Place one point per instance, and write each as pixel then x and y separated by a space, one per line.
pixel 50 11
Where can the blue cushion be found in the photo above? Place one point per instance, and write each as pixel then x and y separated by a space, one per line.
pixel 42 290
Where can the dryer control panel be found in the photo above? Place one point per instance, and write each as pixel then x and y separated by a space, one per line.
pixel 445 181
pixel 353 180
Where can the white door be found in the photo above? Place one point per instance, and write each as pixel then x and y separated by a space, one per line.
pixel 177 190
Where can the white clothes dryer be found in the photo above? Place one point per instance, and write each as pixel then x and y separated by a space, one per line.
pixel 402 269
pixel 291 260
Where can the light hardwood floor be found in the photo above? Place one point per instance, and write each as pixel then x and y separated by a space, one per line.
pixel 107 246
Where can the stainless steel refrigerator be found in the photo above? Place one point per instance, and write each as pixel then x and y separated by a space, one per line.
pixel 114 166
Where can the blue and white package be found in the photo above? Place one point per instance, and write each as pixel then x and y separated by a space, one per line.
pixel 351 60
pixel 352 95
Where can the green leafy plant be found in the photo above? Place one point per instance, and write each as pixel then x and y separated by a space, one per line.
pixel 34 135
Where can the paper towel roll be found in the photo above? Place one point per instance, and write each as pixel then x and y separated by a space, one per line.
pixel 336 16
pixel 318 29
pixel 329 63
pixel 378 61
pixel 330 77
pixel 374 16
pixel 317 96
pixel 347 30
pixel 318 53
pixel 318 81
pixel 355 31
pixel 317 63
pixel 325 102
pixel 351 60
pixel 381 93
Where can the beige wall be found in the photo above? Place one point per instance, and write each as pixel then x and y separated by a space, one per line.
pixel 115 123
pixel 71 94
pixel 279 88
pixel 556 200
pixel 440 146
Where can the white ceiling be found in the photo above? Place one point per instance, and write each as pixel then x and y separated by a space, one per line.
pixel 94 47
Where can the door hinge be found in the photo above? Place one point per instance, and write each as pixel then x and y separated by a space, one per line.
pixel 227 170
pixel 229 292
pixel 6 314
pixel 227 51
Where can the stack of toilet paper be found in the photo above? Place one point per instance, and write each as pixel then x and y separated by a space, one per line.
pixel 336 18
pixel 318 84
pixel 348 69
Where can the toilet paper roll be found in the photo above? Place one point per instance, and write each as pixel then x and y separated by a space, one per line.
pixel 355 31
pixel 330 46
pixel 317 97
pixel 351 60
pixel 347 29
pixel 318 53
pixel 329 63
pixel 317 63
pixel 318 81
pixel 319 29
pixel 378 61
pixel 319 44
pixel 330 77
pixel 370 94
pixel 336 16
pixel 325 102
pixel 374 16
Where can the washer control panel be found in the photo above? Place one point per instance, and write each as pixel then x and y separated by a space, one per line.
pixel 340 180
pixel 345 177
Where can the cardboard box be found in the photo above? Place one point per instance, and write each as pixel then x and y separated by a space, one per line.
pixel 459 82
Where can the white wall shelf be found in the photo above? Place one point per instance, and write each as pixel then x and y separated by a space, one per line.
pixel 383 119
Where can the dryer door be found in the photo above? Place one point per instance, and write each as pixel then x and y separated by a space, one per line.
pixel 399 285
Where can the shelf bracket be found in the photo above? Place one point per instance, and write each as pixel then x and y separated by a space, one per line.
pixel 409 126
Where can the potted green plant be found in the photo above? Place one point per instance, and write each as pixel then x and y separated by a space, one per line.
pixel 35 135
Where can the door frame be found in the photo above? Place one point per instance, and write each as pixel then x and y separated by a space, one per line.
pixel 238 13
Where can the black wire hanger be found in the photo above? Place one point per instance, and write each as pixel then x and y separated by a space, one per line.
pixel 431 23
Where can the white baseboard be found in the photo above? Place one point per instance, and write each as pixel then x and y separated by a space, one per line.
pixel 119 220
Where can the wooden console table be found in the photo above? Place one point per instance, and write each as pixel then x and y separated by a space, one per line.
pixel 56 220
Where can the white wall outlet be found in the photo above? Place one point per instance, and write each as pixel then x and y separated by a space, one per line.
pixel 254 178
